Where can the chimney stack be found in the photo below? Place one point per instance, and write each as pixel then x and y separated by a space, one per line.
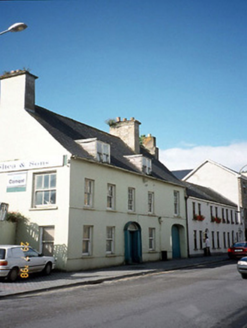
pixel 128 131
pixel 18 90
pixel 149 143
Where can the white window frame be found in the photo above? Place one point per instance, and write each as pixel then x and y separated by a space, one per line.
pixel 150 202
pixel 111 196
pixel 44 190
pixel 88 193
pixel 151 239
pixel 176 195
pixel 131 199
pixel 110 240
pixel 87 239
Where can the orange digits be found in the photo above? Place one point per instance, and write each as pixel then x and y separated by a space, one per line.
pixel 25 246
pixel 24 275
pixel 24 270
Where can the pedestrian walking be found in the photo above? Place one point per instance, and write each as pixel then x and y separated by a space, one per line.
pixel 207 246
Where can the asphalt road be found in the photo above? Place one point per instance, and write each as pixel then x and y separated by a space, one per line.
pixel 206 296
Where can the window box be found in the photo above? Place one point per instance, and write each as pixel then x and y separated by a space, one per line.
pixel 198 217
pixel 215 219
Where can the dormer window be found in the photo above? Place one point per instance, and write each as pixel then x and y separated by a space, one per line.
pixel 103 152
pixel 100 150
pixel 144 164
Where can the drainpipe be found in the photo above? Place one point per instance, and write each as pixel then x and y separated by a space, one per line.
pixel 160 223
pixel 187 225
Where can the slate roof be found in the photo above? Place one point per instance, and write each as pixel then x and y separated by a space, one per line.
pixel 66 131
pixel 206 194
pixel 180 174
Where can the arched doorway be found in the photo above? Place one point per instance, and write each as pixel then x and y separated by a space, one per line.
pixel 176 253
pixel 133 244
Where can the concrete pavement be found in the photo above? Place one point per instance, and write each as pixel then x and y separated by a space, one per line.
pixel 37 282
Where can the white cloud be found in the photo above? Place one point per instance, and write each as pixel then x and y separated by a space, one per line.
pixel 233 156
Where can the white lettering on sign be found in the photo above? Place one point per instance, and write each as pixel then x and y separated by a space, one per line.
pixel 30 164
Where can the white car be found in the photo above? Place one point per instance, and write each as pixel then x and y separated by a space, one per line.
pixel 20 260
pixel 242 267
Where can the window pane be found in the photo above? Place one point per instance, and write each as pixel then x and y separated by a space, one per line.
pixel 108 246
pixel 39 197
pixel 46 181
pixel 39 180
pixel 46 197
pixel 53 181
pixel 109 233
pixel 85 247
pixel 53 197
pixel 86 232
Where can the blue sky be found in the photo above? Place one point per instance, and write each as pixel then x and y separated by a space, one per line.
pixel 177 66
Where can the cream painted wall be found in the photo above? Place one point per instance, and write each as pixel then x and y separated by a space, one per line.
pixel 99 217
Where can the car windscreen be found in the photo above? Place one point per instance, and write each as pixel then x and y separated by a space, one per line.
pixel 2 253
pixel 240 245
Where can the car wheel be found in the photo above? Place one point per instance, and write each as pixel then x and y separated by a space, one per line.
pixel 244 275
pixel 13 274
pixel 47 269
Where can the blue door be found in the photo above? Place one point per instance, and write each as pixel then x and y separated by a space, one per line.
pixel 175 243
pixel 133 245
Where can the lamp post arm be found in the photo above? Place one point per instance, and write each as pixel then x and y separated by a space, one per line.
pixel 4 32
pixel 240 172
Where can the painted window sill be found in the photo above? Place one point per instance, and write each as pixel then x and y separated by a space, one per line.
pixel 43 208
pixel 88 208
pixel 111 210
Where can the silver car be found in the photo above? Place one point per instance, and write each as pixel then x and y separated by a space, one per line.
pixel 242 267
pixel 21 260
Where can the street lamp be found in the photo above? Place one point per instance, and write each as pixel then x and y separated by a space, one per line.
pixel 17 27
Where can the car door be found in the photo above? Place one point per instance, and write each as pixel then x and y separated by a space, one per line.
pixel 35 262
pixel 16 258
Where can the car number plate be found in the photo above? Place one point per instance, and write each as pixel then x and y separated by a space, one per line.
pixel 238 250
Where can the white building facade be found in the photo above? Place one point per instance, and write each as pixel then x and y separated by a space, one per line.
pixel 226 182
pixel 210 214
